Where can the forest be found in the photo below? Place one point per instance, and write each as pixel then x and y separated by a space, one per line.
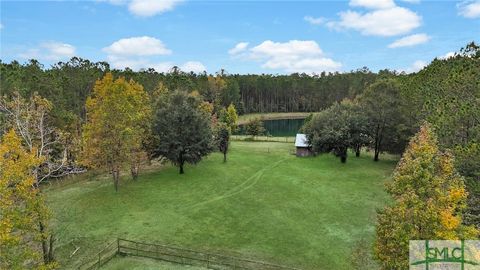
pixel 81 115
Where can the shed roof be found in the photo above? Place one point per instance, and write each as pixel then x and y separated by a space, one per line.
pixel 301 140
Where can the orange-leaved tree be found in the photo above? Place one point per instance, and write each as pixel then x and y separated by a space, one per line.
pixel 118 114
pixel 429 198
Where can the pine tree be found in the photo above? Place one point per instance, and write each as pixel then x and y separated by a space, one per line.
pixel 429 199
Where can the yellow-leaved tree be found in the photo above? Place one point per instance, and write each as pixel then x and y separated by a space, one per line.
pixel 118 113
pixel 429 198
pixel 22 207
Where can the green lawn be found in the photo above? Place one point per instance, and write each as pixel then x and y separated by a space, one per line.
pixel 264 203
pixel 242 119
pixel 136 263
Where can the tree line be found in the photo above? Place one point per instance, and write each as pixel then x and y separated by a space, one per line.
pixel 81 115
pixel 124 127
pixel 436 185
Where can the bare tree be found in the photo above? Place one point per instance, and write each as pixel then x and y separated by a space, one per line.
pixel 30 119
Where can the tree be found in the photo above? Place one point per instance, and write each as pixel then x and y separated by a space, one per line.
pixel 230 94
pixel 429 197
pixel 381 102
pixel 183 132
pixel 22 208
pixel 117 113
pixel 358 126
pixel 222 139
pixel 230 117
pixel 254 127
pixel 329 131
pixel 31 119
pixel 467 161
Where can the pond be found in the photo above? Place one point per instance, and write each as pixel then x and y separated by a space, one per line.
pixel 279 127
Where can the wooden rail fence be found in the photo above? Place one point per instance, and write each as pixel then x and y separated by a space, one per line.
pixel 177 255
pixel 262 138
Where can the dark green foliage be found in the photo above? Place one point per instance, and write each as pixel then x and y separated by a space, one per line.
pixel 231 93
pixel 182 131
pixel 342 126
pixel 467 160
pixel 329 131
pixel 222 139
pixel 446 93
pixel 255 127
pixel 381 104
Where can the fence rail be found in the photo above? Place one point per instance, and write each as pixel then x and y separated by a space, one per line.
pixel 262 138
pixel 177 255
pixel 105 255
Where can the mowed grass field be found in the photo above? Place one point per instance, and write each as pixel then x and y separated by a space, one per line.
pixel 264 204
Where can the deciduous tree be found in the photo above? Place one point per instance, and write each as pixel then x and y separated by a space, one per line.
pixel 183 132
pixel 222 139
pixel 254 127
pixel 229 117
pixel 22 208
pixel 329 131
pixel 381 101
pixel 117 113
pixel 429 198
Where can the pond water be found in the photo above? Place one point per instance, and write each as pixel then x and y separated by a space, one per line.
pixel 279 128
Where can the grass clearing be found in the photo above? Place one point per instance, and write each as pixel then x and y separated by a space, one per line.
pixel 264 204
pixel 137 263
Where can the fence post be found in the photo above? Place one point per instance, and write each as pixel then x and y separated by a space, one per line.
pixel 118 245
pixel 98 264
pixel 136 245
pixel 208 260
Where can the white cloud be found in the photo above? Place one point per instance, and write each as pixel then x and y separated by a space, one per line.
pixel 292 56
pixel 137 46
pixel 469 9
pixel 194 66
pixel 50 51
pixel 1 26
pixel 411 40
pixel 149 8
pixel 240 47
pixel 382 22
pixel 134 52
pixel 146 8
pixel 138 64
pixel 313 20
pixel 416 66
pixel 447 55
pixel 372 4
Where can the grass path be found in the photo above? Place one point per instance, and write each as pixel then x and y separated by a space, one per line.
pixel 250 182
pixel 263 203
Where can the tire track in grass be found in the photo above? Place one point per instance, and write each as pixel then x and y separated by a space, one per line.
pixel 250 182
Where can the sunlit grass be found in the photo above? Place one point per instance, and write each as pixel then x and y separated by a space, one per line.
pixel 264 203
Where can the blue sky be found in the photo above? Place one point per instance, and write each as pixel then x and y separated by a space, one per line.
pixel 239 36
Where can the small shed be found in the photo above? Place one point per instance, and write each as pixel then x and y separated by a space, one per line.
pixel 302 146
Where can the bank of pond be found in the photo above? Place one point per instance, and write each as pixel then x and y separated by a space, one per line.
pixel 278 127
